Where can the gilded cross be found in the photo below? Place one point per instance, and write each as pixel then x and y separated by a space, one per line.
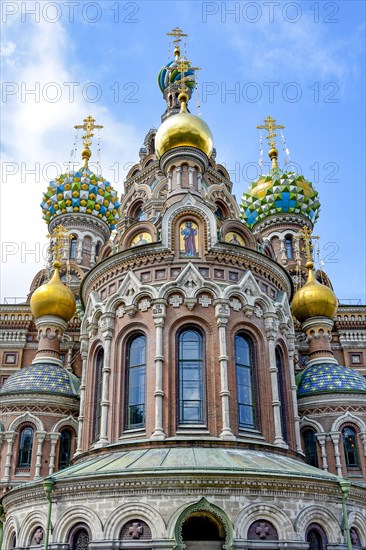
pixel 60 241
pixel 270 125
pixel 88 128
pixel 306 235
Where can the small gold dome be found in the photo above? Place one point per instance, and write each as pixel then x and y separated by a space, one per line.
pixel 183 130
pixel 314 299
pixel 53 298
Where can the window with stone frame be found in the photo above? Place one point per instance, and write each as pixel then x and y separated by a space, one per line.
pixel 37 538
pixel 79 537
pixel 191 382
pixel 355 538
pixel 135 389
pixel 310 447
pixel 316 537
pixel 65 448
pixel 244 363
pixel 26 436
pixel 349 438
pixel 282 391
pixel 97 409
pixel 10 358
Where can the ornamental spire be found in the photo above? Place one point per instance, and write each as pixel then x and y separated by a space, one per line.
pixel 270 125
pixel 88 128
pixel 59 244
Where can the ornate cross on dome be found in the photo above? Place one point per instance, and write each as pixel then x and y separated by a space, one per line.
pixel 305 234
pixel 59 243
pixel 88 128
pixel 270 125
pixel 178 34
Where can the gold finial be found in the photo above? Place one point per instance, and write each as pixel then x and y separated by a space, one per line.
pixel 60 243
pixel 305 234
pixel 270 125
pixel 88 127
pixel 178 34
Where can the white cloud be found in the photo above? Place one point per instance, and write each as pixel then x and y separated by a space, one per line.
pixel 35 132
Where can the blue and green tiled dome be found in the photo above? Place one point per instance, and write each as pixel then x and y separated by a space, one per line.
pixel 81 192
pixel 279 192
pixel 170 74
pixel 330 378
pixel 42 378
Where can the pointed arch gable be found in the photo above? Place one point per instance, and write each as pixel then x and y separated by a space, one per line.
pixel 348 417
pixel 26 417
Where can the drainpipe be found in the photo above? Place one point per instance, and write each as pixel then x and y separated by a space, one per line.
pixel 345 486
pixel 48 486
pixel 1 526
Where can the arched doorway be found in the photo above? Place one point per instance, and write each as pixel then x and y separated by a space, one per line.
pixel 203 526
pixel 201 530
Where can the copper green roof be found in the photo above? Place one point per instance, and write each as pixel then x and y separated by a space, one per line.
pixel 330 378
pixel 42 378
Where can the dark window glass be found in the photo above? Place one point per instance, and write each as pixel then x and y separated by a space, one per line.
pixel 310 448
pixel 65 449
pixel 80 540
pixel 289 251
pixel 136 382
pixel 244 383
pixel 350 448
pixel 191 387
pixel 98 394
pixel 316 537
pixel 25 447
pixel 140 215
pixel 281 393
pixel 73 244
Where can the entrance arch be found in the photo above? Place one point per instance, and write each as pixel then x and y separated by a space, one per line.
pixel 203 526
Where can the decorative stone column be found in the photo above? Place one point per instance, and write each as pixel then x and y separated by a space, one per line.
pixel 335 437
pixel 271 326
pixel 54 437
pixel 191 172
pixel 84 346
pixel 79 250
pixel 159 314
pixel 50 332
pixel 10 438
pixel 40 439
pixel 322 438
pixel 92 254
pixel 170 177
pixel 363 439
pixel 291 354
pixel 222 313
pixel 283 251
pixel 107 327
pixel 318 336
pixel 178 172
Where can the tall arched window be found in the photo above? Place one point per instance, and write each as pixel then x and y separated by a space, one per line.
pixel 288 246
pixel 281 393
pixel 136 382
pixel 25 447
pixel 73 244
pixel 310 447
pixel 65 449
pixel 191 377
pixel 79 537
pixel 350 447
pixel 244 382
pixel 316 537
pixel 98 394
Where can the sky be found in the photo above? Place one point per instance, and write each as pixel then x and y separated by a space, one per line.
pixel 303 63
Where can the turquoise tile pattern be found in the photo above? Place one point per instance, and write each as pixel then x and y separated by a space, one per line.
pixel 330 378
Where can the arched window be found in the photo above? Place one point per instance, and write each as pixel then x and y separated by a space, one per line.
pixel 288 246
pixel 310 448
pixel 190 377
pixel 12 542
pixel 316 537
pixel 25 447
pixel 79 537
pixel 244 382
pixel 281 392
pixel 97 394
pixel 350 447
pixel 65 449
pixel 73 244
pixel 136 382
pixel 97 249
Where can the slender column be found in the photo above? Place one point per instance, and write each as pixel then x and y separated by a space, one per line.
pixel 159 314
pixel 199 181
pixel 92 254
pixel 10 438
pixel 271 326
pixel 40 439
pixel 321 437
pixel 84 356
pixel 79 250
pixel 107 328
pixel 363 439
pixel 179 177
pixel 170 177
pixel 283 251
pixel 291 354
pixel 191 171
pixel 54 437
pixel 222 314
pixel 335 436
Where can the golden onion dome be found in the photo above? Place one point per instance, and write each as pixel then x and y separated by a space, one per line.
pixel 314 299
pixel 53 298
pixel 183 130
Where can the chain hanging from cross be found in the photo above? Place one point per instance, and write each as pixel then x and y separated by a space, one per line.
pixel 271 126
pixel 88 128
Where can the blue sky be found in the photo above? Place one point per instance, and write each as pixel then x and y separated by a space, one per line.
pixel 303 63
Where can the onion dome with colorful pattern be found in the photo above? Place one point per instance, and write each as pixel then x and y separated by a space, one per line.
pixel 314 299
pixel 277 193
pixel 171 74
pixel 183 130
pixel 42 378
pixel 53 298
pixel 329 378
pixel 81 192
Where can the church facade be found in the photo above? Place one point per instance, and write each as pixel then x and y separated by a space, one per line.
pixel 210 392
